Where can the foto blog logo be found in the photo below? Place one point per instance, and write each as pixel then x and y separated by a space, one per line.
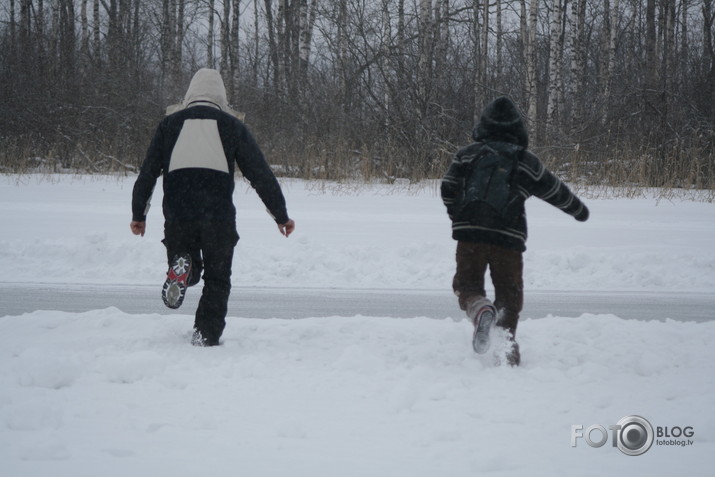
pixel 632 435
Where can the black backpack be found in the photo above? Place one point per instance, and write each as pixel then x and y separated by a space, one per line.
pixel 487 182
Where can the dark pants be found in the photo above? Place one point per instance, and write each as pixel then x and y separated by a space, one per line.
pixel 210 242
pixel 506 270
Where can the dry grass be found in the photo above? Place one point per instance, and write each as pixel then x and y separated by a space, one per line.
pixel 676 172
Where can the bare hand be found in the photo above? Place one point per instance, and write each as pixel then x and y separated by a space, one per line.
pixel 138 228
pixel 287 228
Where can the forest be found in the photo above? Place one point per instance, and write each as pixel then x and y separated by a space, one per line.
pixel 614 92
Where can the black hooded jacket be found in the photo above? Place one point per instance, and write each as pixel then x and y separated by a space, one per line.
pixel 501 127
pixel 197 150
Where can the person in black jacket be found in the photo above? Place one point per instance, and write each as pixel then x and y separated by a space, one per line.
pixel 490 225
pixel 196 150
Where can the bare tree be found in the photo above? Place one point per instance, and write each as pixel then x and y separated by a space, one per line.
pixel 709 55
pixel 669 46
pixel 650 44
pixel 13 34
pixel 177 39
pixel 273 45
pixel 555 62
pixel 480 11
pixel 342 53
pixel 210 35
pixel 530 57
pixel 306 24
pixel 85 30
pixel 484 57
pixel 235 60
pixel 384 80
pixel 612 33
pixel 683 53
pixel 499 38
pixel 425 55
pixel 96 34
pixel 577 21
pixel 441 46
pixel 225 43
pixel 67 40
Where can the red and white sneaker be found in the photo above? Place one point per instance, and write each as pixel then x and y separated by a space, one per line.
pixel 174 288
pixel 483 322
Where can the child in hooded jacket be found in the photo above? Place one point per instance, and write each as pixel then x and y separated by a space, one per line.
pixel 487 237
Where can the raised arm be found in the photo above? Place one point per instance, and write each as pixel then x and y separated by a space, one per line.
pixel 545 185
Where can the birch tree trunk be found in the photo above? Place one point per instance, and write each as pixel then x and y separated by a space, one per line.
pixel 531 68
pixel 479 53
pixel 235 52
pixel 442 9
pixel 386 63
pixel 604 49
pixel 210 36
pixel 523 44
pixel 683 54
pixel 303 41
pixel 343 51
pixel 425 59
pixel 273 46
pixel 608 79
pixel 576 71
pixel 138 47
pixel 308 15
pixel 225 49
pixel 554 63
pixel 401 74
pixel 282 32
pixel 485 50
pixel 177 40
pixel 256 44
pixel 709 54
pixel 499 39
pixel 55 41
pixel 166 35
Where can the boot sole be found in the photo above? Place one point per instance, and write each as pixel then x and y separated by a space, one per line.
pixel 174 289
pixel 480 340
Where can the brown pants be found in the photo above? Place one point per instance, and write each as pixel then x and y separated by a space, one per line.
pixel 506 269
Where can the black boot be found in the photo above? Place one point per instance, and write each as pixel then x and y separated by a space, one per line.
pixel 513 356
pixel 199 339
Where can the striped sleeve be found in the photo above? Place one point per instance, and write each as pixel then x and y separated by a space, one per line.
pixel 545 185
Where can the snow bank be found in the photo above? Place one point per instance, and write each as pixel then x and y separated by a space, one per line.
pixel 66 230
pixel 107 393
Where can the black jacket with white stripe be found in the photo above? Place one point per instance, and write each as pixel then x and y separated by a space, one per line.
pixel 197 150
pixel 501 123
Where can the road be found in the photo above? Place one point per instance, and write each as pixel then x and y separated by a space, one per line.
pixel 289 303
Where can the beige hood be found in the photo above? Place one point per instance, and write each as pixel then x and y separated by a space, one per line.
pixel 206 86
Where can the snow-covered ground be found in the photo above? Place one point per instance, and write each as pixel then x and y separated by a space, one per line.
pixel 110 393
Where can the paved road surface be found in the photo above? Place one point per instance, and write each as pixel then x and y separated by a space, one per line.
pixel 286 303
